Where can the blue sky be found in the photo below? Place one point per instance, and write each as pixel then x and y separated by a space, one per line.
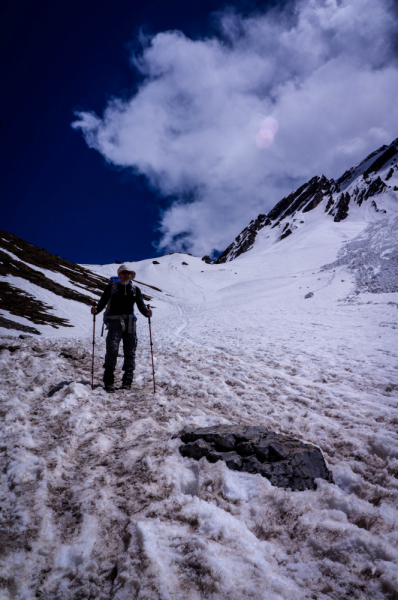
pixel 195 116
pixel 58 57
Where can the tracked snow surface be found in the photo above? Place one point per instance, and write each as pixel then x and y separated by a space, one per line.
pixel 298 335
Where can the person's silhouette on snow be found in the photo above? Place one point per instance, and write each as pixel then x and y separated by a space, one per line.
pixel 119 299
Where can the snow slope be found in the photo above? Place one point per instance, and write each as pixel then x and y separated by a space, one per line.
pixel 97 501
pixel 299 335
pixel 366 191
pixel 45 290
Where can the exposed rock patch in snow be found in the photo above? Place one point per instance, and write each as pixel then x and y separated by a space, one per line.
pixel 97 500
pixel 43 288
pixel 284 461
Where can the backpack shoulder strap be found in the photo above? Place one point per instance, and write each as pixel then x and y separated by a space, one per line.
pixel 114 281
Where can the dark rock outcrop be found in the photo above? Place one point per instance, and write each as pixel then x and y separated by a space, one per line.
pixel 344 179
pixel 286 232
pixel 341 210
pixel 285 461
pixel 375 187
pixel 244 241
pixel 22 304
pixel 8 324
pixel 17 268
pixel 38 257
pixel 206 259
pixel 22 260
pixel 391 151
pixel 308 196
pixel 376 208
pixel 329 204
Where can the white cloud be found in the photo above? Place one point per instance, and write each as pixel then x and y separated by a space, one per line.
pixel 229 125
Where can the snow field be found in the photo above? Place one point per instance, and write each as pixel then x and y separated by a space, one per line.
pixel 97 501
pixel 101 504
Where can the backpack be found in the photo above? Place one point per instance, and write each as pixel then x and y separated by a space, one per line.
pixel 107 314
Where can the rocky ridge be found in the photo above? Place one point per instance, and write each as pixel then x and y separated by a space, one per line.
pixel 360 185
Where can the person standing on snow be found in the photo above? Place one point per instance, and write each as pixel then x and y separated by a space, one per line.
pixel 119 298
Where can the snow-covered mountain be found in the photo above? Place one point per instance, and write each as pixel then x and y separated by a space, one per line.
pixel 371 186
pixel 298 335
pixel 40 292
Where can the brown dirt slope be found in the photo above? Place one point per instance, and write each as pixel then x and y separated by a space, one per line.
pixel 18 258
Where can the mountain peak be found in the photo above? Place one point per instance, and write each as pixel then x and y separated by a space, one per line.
pixel 368 179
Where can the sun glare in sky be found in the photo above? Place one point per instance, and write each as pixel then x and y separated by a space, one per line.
pixel 267 132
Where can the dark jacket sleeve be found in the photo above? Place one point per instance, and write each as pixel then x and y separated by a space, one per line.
pixel 104 298
pixel 140 302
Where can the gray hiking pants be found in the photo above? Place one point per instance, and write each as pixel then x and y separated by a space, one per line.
pixel 113 339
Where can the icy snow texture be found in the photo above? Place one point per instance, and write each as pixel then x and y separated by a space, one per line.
pixel 373 258
pixel 98 503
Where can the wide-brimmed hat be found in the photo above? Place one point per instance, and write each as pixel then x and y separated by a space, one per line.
pixel 126 267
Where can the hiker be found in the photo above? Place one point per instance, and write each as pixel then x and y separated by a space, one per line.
pixel 119 297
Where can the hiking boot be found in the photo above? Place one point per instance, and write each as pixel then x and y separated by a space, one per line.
pixel 109 379
pixel 127 380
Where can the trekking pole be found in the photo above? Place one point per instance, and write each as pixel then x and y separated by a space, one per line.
pixel 150 337
pixel 92 366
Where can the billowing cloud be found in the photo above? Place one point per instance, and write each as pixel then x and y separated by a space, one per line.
pixel 228 125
